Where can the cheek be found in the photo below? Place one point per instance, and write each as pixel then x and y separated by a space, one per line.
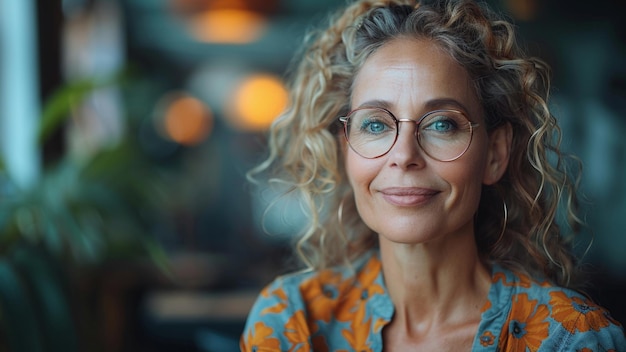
pixel 466 178
pixel 470 173
pixel 354 170
pixel 473 164
pixel 361 172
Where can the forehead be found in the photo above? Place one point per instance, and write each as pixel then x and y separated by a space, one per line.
pixel 410 71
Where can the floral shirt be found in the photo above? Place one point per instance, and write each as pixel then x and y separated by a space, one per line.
pixel 345 309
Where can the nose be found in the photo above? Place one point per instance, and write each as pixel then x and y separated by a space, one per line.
pixel 406 153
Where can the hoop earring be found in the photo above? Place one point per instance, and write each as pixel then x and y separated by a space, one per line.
pixel 506 219
pixel 340 212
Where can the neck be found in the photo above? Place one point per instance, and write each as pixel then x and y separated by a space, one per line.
pixel 437 283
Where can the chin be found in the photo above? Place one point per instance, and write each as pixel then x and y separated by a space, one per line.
pixel 409 239
pixel 409 233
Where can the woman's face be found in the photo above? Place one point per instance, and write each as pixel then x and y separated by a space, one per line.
pixel 406 196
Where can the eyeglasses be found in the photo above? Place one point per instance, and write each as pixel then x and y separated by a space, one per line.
pixel 443 135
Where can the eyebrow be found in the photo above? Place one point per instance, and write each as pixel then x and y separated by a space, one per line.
pixel 434 104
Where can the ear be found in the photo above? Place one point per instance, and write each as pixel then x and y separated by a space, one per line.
pixel 498 153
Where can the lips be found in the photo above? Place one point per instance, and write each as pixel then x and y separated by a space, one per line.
pixel 408 197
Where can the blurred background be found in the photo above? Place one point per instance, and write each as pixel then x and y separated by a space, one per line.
pixel 126 130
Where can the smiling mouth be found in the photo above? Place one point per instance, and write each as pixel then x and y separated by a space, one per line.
pixel 408 197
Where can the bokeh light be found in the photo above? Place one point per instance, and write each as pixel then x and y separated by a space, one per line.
pixel 257 101
pixel 185 119
pixel 524 10
pixel 228 26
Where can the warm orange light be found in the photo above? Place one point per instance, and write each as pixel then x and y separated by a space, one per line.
pixel 257 102
pixel 525 10
pixel 231 26
pixel 187 121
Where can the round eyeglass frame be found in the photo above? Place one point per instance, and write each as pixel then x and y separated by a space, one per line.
pixel 345 119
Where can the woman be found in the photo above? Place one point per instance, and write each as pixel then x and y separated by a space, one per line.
pixel 418 138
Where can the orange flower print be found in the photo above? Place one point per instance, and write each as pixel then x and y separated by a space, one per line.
pixel 297 333
pixel 368 276
pixel 486 307
pixel 282 297
pixel 499 276
pixel 526 281
pixel 354 299
pixel 575 313
pixel 487 339
pixel 358 294
pixel 359 330
pixel 321 294
pixel 379 325
pixel 585 350
pixel 523 280
pixel 370 272
pixel 259 339
pixel 526 327
pixel 265 292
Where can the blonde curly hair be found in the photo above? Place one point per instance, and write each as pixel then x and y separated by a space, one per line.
pixel 304 146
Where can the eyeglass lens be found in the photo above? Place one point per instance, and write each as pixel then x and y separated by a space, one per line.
pixel 443 134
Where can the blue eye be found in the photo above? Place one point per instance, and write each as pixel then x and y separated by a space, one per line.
pixel 373 126
pixel 440 123
pixel 443 125
pixel 372 123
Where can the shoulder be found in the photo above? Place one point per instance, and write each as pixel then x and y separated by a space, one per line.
pixel 301 287
pixel 278 308
pixel 281 299
pixel 292 309
pixel 555 318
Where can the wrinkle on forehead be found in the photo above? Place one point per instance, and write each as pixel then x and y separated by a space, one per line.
pixel 413 72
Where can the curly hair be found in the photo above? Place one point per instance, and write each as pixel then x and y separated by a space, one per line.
pixel 540 182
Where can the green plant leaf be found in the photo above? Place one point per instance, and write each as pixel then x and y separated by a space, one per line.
pixel 57 108
pixel 18 316
pixel 45 279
